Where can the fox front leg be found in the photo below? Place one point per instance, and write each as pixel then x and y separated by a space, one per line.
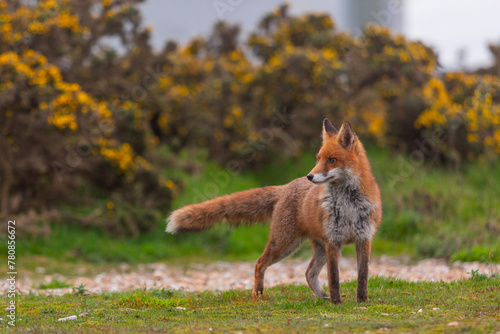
pixel 363 249
pixel 332 261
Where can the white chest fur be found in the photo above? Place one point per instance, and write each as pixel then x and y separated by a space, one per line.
pixel 348 213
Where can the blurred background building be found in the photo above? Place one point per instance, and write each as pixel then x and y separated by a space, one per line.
pixel 459 30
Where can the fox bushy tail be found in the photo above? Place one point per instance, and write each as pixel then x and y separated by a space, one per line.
pixel 249 206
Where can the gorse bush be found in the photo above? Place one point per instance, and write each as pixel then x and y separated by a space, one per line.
pixel 261 100
pixel 80 119
pixel 466 110
pixel 265 106
pixel 56 136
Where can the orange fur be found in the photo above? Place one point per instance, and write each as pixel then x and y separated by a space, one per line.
pixel 303 210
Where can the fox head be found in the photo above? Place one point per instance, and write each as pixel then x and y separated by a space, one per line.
pixel 338 157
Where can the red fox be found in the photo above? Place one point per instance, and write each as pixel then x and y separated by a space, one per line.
pixel 337 203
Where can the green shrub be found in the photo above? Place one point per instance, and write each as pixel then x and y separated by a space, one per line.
pixel 477 253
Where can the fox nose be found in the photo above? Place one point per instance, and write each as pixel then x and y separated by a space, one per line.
pixel 310 177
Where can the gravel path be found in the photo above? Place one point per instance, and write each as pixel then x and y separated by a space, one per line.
pixel 239 275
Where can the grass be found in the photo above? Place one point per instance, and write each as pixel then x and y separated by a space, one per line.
pixel 53 284
pixel 471 305
pixel 429 211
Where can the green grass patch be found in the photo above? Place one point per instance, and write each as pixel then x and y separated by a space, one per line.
pixel 53 284
pixel 429 211
pixel 159 298
pixel 478 253
pixel 471 305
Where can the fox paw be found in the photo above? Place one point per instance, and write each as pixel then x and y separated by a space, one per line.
pixel 258 293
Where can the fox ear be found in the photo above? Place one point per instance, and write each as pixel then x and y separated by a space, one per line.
pixel 328 129
pixel 347 137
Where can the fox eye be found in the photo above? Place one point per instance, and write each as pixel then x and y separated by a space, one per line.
pixel 317 159
pixel 332 160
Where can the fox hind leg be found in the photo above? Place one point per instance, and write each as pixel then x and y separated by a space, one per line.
pixel 276 250
pixel 317 263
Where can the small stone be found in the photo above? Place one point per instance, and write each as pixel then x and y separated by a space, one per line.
pixel 384 313
pixel 82 315
pixel 180 308
pixel 435 308
pixel 454 323
pixel 419 311
pixel 72 317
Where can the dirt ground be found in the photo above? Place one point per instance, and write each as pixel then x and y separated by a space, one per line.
pixel 239 275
